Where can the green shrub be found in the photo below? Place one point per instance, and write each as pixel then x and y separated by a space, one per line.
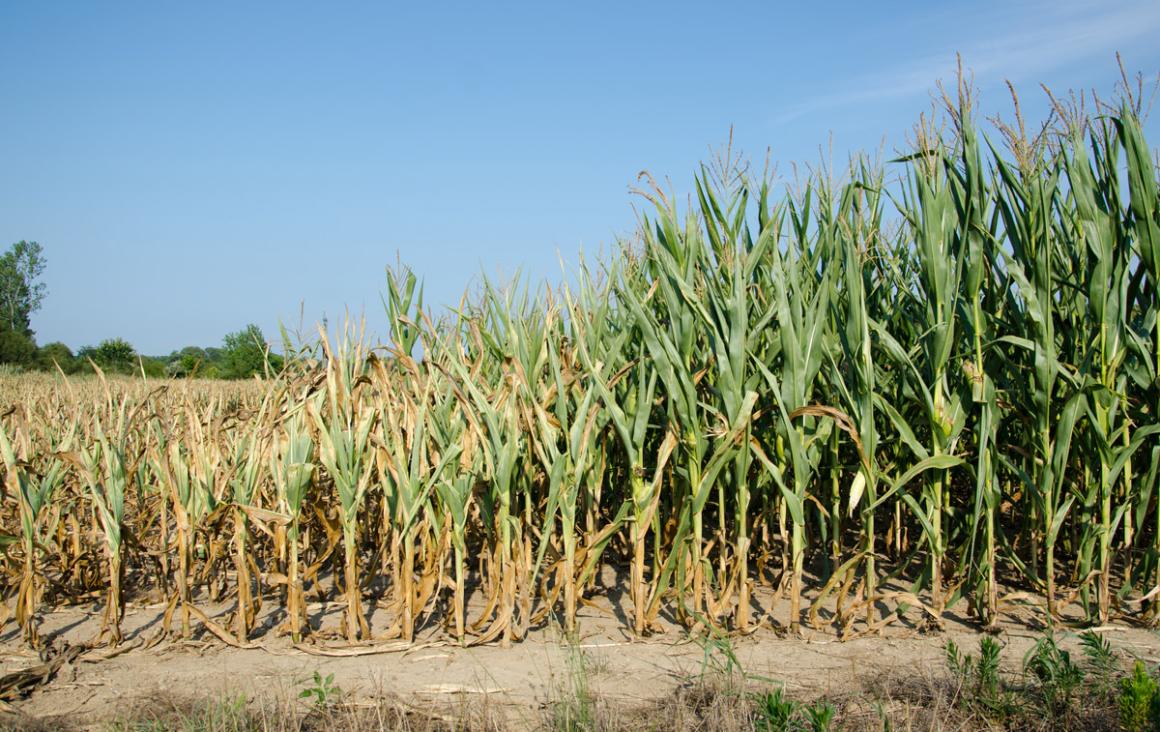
pixel 53 354
pixel 16 348
pixel 1139 701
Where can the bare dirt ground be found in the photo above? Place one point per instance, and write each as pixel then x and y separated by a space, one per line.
pixel 519 681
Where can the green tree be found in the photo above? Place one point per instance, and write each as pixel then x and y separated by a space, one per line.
pixel 152 367
pixel 245 353
pixel 53 354
pixel 194 361
pixel 16 347
pixel 20 291
pixel 112 354
pixel 187 362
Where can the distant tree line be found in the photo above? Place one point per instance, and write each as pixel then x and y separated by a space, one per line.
pixel 241 355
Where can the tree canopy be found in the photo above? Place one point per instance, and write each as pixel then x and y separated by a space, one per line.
pixel 21 292
pixel 112 354
pixel 245 354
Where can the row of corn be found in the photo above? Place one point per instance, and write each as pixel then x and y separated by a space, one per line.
pixel 890 390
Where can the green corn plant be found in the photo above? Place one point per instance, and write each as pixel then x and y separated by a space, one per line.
pixel 344 422
pixel 576 405
pixel 500 440
pixel 517 332
pixel 504 336
pixel 629 409
pixel 105 462
pixel 292 468
pixel 676 255
pixel 1144 226
pixel 801 298
pixel 667 328
pixel 1024 199
pixel 453 487
pixel 929 211
pixel 859 219
pixel 975 237
pixel 401 453
pixel 1096 229
pixel 190 466
pixel 612 392
pixel 626 387
pixel 735 318
pixel 404 309
pixel 35 493
pixel 409 472
pixel 247 466
pixel 898 393
pixel 565 441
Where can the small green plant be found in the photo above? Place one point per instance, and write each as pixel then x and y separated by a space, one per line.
pixel 775 712
pixel 979 679
pixel 820 716
pixel 323 692
pixel 1101 659
pixel 576 710
pixel 988 668
pixel 883 716
pixel 718 654
pixel 1139 701
pixel 1058 676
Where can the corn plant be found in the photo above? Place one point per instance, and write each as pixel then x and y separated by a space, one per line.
pixel 344 423
pixel 292 469
pixel 35 494
pixel 106 466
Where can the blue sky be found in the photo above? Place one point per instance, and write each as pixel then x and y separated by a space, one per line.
pixel 193 167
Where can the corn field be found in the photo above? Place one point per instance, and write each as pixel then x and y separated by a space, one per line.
pixel 881 393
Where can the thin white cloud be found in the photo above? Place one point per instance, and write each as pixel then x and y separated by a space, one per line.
pixel 1040 39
